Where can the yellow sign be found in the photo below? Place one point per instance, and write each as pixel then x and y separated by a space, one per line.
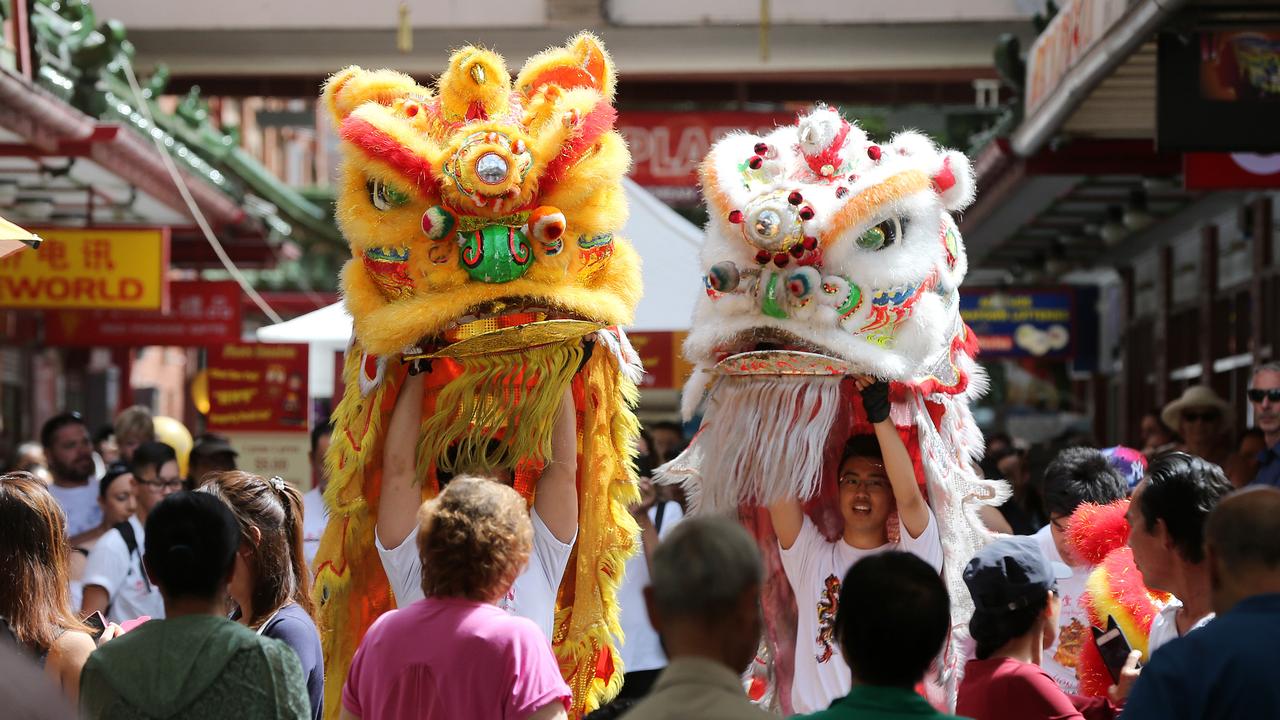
pixel 123 269
pixel 274 453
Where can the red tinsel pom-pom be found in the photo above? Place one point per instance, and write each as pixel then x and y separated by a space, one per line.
pixel 1095 530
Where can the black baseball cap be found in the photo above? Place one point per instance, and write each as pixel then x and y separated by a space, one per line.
pixel 209 444
pixel 1010 573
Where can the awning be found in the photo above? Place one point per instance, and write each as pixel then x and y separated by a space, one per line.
pixel 14 238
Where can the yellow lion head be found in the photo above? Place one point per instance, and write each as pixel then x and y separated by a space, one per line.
pixel 484 203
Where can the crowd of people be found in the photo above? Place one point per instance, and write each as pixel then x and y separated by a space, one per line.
pixel 138 590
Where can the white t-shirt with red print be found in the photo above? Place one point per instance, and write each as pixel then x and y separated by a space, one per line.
pixel 1060 659
pixel 815 567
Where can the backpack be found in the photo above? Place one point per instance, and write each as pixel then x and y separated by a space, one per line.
pixel 131 543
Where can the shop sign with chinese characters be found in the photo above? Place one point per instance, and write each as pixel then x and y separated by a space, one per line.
pixel 84 269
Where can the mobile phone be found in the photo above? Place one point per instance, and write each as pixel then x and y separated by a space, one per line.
pixel 1113 646
pixel 97 623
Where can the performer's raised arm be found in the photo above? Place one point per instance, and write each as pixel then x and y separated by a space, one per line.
pixel 400 498
pixel 556 500
pixel 913 511
pixel 788 518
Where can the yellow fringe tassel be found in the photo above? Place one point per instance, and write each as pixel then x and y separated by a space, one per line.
pixel 587 620
pixel 499 410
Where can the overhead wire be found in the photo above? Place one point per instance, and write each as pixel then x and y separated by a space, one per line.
pixel 180 182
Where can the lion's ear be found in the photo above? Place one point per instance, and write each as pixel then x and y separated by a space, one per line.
pixel 354 86
pixel 582 62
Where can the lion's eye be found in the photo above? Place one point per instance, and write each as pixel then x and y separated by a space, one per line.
pixel 883 235
pixel 383 196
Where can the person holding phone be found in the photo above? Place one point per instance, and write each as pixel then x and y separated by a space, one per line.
pixel 34 596
pixel 1015 620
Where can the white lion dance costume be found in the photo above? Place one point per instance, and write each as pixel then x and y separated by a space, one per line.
pixel 828 255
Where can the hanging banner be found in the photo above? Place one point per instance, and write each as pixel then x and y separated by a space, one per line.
pixel 201 314
pixel 89 269
pixel 258 387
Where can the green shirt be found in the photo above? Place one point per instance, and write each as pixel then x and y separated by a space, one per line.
pixel 866 702
pixel 194 667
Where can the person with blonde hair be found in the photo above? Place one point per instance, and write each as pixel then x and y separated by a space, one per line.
pixel 35 601
pixel 455 653
pixel 134 426
pixel 271 583
pixel 553 514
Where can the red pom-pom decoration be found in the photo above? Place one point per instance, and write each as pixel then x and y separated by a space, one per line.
pixel 806 213
pixel 796 251
pixel 810 243
pixel 842 191
pixel 795 198
pixel 735 216
pixel 763 256
pixel 1094 531
pixel 873 152
pixel 755 162
pixel 761 148
pixel 781 259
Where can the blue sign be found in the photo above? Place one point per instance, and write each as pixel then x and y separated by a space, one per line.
pixel 1036 323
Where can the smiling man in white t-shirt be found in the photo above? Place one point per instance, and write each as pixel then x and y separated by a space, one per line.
pixel 554 514
pixel 876 478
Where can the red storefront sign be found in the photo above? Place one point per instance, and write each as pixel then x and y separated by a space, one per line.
pixel 1230 171
pixel 200 314
pixel 663 358
pixel 258 387
pixel 667 147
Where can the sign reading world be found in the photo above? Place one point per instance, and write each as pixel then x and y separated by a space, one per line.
pixel 1021 323
pixel 89 269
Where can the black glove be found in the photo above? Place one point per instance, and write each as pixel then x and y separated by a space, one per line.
pixel 875 401
pixel 588 347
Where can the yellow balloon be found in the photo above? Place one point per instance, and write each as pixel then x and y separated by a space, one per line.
pixel 175 435
pixel 200 391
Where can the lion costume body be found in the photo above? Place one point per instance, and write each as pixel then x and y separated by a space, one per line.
pixel 829 255
pixel 481 218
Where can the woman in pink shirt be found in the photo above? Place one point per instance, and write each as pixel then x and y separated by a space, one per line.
pixel 455 653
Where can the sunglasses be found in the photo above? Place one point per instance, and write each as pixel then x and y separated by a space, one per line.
pixel 1258 395
pixel 1203 416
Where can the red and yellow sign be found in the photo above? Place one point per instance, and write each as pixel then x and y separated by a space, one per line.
pixel 663 358
pixel 119 269
pixel 258 387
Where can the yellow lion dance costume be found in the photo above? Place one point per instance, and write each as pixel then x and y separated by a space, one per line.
pixel 482 220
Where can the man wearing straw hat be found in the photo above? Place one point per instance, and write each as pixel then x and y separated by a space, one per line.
pixel 1200 417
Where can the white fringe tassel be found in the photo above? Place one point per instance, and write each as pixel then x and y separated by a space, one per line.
pixel 763 439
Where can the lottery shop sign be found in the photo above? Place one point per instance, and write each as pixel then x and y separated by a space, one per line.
pixel 84 269
pixel 1017 323
pixel 258 387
